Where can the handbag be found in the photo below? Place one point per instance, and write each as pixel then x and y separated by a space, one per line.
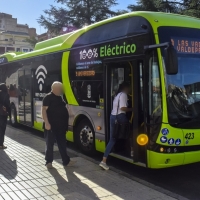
pixel 2 111
pixel 121 130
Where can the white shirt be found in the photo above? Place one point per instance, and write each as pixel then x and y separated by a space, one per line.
pixel 122 99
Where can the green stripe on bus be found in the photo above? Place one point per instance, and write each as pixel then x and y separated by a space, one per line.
pixel 66 82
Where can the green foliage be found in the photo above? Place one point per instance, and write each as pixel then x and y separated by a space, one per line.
pixel 76 12
pixel 186 7
pixel 32 41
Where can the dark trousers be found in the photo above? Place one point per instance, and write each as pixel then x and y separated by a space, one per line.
pixel 60 137
pixel 3 123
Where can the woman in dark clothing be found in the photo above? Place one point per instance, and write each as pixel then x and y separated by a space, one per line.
pixel 4 111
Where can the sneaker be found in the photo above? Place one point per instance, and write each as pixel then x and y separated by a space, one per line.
pixel 3 147
pixel 49 165
pixel 104 165
pixel 132 153
pixel 71 163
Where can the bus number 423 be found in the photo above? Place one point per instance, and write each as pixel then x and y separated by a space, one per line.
pixel 189 136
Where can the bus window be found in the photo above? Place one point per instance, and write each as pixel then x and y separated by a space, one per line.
pixel 155 91
pixel 155 101
pixel 88 93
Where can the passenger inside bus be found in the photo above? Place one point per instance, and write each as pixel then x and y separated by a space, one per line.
pixel 190 97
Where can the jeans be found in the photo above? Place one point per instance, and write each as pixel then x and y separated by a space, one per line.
pixel 59 137
pixel 122 119
pixel 3 123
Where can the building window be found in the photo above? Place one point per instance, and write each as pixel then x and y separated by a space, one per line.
pixel 10 49
pixel 31 49
pixel 18 50
pixel 25 50
pixel 2 50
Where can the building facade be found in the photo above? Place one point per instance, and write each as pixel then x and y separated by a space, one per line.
pixel 13 36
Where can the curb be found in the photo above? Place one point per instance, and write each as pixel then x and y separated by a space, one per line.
pixel 143 182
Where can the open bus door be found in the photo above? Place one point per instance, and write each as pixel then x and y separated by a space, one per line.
pixel 140 151
pixel 25 96
pixel 131 72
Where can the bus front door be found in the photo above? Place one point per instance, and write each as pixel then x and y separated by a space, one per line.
pixel 25 96
pixel 117 72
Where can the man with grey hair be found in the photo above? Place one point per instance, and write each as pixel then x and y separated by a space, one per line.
pixel 55 116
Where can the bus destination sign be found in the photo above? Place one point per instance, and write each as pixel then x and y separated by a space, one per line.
pixel 186 45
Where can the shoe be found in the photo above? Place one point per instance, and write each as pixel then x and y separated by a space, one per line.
pixel 71 163
pixel 104 165
pixel 49 165
pixel 3 147
pixel 132 153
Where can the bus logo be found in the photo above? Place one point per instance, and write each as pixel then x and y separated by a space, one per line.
pixel 41 73
pixel 88 54
pixel 89 91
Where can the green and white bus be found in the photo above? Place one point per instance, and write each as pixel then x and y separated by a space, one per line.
pixel 157 53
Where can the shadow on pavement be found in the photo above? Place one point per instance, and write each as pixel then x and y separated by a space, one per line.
pixel 7 163
pixel 70 187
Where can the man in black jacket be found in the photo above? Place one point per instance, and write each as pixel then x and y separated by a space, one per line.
pixel 55 116
pixel 4 112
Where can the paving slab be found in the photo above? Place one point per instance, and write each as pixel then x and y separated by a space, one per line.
pixel 24 176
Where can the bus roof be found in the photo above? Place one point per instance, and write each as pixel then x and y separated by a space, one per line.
pixel 64 42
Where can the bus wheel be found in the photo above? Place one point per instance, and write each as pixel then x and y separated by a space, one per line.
pixel 85 137
pixel 13 119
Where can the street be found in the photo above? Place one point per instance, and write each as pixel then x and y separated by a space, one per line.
pixel 179 183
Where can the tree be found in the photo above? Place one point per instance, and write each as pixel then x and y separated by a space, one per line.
pixel 32 41
pixel 186 7
pixel 76 12
pixel 156 6
pixel 191 8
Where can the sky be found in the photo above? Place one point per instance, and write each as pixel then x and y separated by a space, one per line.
pixel 28 11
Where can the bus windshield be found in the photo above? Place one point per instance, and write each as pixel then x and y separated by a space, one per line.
pixel 183 89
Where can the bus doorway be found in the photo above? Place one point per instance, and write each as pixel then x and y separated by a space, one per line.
pixel 25 96
pixel 132 73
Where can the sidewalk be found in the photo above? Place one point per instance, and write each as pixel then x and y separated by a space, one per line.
pixel 24 176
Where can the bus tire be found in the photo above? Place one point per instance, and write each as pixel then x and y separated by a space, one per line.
pixel 85 137
pixel 13 119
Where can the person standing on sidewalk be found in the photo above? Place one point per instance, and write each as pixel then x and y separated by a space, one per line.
pixel 4 111
pixel 55 116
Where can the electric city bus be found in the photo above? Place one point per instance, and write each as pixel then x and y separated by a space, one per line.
pixel 157 53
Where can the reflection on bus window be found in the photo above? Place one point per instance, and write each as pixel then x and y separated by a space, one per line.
pixel 184 91
pixel 88 93
pixel 155 95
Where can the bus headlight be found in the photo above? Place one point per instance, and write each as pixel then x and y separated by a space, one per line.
pixel 142 139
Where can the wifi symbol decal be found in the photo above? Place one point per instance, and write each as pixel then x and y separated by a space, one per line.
pixel 41 73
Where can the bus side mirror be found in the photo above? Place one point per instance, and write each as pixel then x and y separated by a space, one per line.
pixel 171 60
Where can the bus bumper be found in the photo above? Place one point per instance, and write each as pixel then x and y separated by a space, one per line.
pixel 192 157
pixel 163 160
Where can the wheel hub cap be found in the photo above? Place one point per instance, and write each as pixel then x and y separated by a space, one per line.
pixel 86 136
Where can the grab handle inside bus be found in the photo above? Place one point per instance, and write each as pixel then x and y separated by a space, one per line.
pixel 171 58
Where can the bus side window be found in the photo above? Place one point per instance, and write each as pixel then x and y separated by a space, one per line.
pixel 155 89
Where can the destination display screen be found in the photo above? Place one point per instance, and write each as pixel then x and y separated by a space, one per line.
pixel 186 45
